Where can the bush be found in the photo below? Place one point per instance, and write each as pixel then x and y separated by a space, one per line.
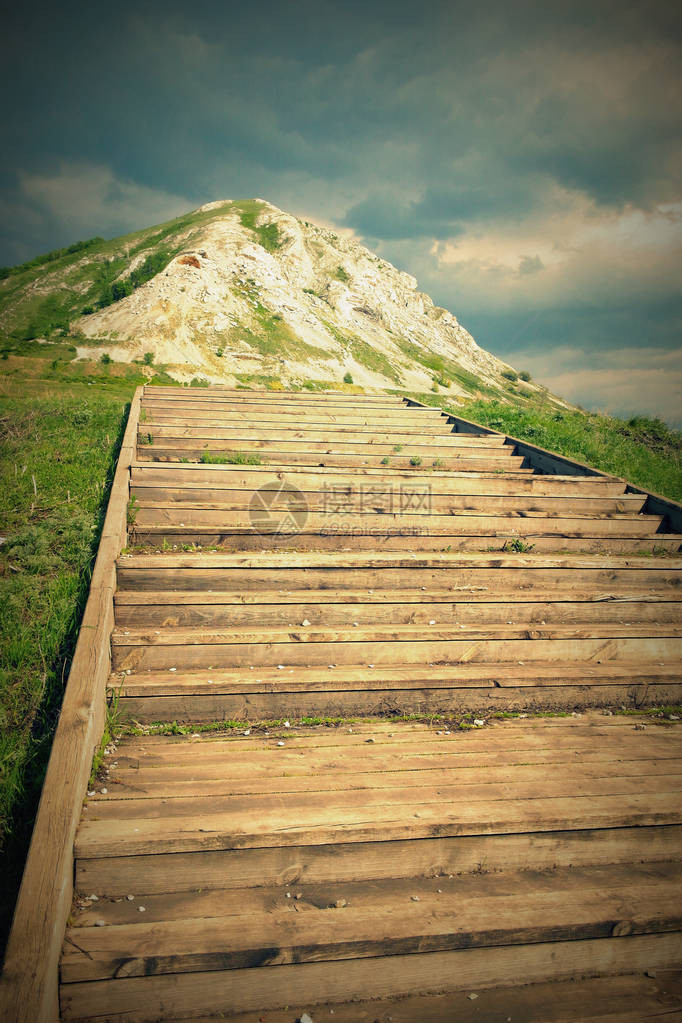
pixel 342 275
pixel 509 374
pixel 348 379
pixel 105 358
pixel 88 310
pixel 525 375
pixel 148 358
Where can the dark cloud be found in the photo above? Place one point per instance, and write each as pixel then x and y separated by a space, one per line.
pixel 416 125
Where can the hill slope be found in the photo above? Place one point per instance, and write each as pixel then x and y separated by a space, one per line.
pixel 241 291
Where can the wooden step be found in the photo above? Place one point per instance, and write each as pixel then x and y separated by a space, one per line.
pixel 203 405
pixel 388 445
pixel 295 420
pixel 484 688
pixel 384 499
pixel 296 430
pixel 140 610
pixel 232 436
pixel 380 919
pixel 184 449
pixel 356 571
pixel 307 478
pixel 263 511
pixel 619 999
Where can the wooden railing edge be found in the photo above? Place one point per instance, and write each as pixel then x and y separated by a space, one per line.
pixel 29 984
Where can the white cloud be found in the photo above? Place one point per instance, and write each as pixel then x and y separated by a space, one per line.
pixel 623 382
pixel 86 199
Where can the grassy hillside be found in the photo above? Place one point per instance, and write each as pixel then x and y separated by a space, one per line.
pixel 641 450
pixel 56 465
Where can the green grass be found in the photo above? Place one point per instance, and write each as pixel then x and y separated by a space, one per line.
pixel 641 450
pixel 444 368
pixel 364 353
pixel 268 235
pixel 57 462
pixel 230 458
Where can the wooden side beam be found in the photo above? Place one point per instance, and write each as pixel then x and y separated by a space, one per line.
pixel 29 985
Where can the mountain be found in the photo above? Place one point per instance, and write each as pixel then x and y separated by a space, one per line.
pixel 240 292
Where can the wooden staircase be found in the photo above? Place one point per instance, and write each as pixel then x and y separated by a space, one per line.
pixel 376 561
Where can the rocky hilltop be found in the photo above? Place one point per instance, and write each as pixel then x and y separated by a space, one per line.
pixel 240 291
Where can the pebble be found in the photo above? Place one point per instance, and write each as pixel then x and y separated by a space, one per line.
pixel 415 898
pixel 305 622
pixel 93 898
pixel 247 732
pixel 478 723
pixel 340 903
pixel 287 724
pixel 91 792
pixel 280 743
pixel 141 909
pixel 472 997
pixel 432 622
pixel 104 791
pixel 172 669
pixel 305 1018
pixel 130 898
pixel 100 923
pixel 369 740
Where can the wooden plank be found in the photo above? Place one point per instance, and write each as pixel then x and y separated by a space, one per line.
pixel 152 874
pixel 379 921
pixel 329 564
pixel 255 830
pixel 406 498
pixel 29 980
pixel 296 420
pixel 184 612
pixel 329 443
pixel 624 999
pixel 466 522
pixel 143 998
pixel 234 435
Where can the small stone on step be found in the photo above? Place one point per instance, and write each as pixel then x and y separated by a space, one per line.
pixel 650 973
pixel 247 732
pixel 104 791
pixel 305 622
pixel 472 997
pixel 287 724
pixel 478 723
pixel 305 1018
pixel 100 923
pixel 141 909
pixel 130 898
pixel 280 743
pixel 415 898
pixel 340 903
pixel 93 898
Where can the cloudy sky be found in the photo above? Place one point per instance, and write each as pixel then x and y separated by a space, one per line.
pixel 522 161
